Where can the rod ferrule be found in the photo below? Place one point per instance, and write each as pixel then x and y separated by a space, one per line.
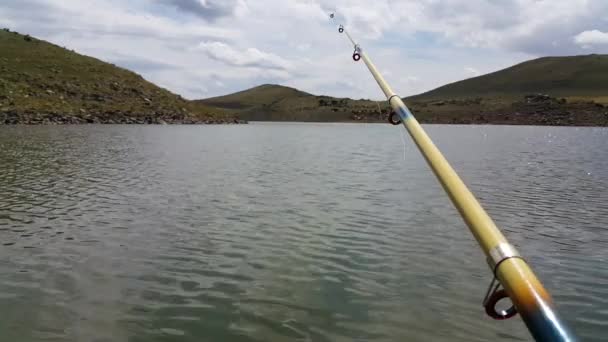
pixel 500 253
pixel 391 98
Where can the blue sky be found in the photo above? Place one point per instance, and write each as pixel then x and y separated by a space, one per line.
pixel 203 48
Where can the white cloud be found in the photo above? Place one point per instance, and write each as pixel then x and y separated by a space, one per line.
pixel 250 57
pixel 472 71
pixel 588 39
pixel 412 80
pixel 207 9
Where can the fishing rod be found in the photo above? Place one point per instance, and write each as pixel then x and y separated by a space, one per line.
pixel 512 276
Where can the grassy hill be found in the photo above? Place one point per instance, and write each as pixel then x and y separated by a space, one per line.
pixel 569 77
pixel 278 103
pixel 44 83
pixel 573 90
pixel 266 94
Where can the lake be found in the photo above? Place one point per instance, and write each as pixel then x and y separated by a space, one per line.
pixel 289 231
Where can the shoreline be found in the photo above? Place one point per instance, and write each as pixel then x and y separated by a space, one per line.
pixel 49 119
pixel 243 122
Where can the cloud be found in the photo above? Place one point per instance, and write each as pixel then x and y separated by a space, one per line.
pixel 140 63
pixel 206 9
pixel 250 57
pixel 588 39
pixel 519 26
pixel 472 71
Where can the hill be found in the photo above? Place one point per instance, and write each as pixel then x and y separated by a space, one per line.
pixel 570 77
pixel 279 103
pixel 44 83
pixel 544 91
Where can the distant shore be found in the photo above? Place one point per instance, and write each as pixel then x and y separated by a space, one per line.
pixel 279 103
pixel 533 110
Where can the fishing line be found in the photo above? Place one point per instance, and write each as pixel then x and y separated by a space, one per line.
pixel 356 58
pixel 402 135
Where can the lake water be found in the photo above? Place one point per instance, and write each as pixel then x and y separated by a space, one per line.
pixel 289 232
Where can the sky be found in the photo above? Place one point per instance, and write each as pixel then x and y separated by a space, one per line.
pixel 205 48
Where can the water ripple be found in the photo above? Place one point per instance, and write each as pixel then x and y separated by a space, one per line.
pixel 274 232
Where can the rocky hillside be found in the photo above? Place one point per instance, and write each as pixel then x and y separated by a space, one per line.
pixel 531 109
pixel 278 103
pixel 44 83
